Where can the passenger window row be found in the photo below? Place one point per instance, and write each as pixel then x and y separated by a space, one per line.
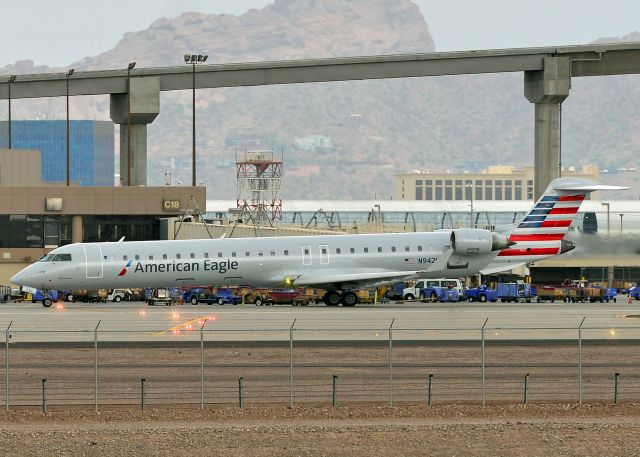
pixel 272 253
pixel 192 255
pixel 366 250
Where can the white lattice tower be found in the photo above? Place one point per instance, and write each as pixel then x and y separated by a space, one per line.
pixel 259 179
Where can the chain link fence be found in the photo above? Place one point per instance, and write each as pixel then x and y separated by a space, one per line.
pixel 199 365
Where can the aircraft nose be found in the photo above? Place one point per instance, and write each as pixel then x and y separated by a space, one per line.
pixel 20 278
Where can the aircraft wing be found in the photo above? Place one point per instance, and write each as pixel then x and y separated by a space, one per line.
pixel 361 279
pixel 367 279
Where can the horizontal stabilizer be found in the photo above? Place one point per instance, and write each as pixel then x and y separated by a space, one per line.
pixel 497 268
pixel 588 187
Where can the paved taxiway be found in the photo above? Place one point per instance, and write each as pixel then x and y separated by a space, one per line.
pixel 459 321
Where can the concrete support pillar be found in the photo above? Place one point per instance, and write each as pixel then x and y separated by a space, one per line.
pixel 547 89
pixel 138 154
pixel 142 108
pixel 610 275
pixel 76 229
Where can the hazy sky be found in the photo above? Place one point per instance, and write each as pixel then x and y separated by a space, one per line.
pixel 57 33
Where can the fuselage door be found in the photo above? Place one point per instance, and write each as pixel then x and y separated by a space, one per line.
pixel 306 255
pixel 324 254
pixel 93 254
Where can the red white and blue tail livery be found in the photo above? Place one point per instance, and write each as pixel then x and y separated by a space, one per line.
pixel 542 231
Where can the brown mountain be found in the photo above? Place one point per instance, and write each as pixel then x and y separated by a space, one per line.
pixel 377 128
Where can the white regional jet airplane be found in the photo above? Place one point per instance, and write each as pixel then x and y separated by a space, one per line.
pixel 337 263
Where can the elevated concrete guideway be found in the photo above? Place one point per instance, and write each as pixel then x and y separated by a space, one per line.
pixel 548 73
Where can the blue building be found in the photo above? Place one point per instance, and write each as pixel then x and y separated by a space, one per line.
pixel 91 148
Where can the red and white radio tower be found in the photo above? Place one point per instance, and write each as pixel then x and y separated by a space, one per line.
pixel 259 177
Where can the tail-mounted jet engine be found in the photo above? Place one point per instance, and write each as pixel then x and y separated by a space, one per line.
pixel 477 241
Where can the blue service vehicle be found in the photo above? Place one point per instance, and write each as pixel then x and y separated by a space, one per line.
pixel 162 296
pixel 481 294
pixel 441 294
pixel 514 292
pixel 610 294
pixel 221 296
pixel 635 292
pixel 49 297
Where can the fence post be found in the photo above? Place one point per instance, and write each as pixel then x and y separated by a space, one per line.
pixel 202 364
pixel 580 361
pixel 240 392
pixel 291 364
pixel 95 347
pixel 391 362
pixel 6 368
pixel 526 388
pixel 44 395
pixel 484 390
pixel 334 398
pixel 616 388
pixel 142 393
pixel 430 390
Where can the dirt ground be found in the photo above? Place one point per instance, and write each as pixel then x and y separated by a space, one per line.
pixel 447 430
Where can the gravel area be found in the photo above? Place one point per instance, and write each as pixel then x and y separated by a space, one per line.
pixel 451 430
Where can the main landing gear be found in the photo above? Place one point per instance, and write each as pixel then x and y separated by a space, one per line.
pixel 335 297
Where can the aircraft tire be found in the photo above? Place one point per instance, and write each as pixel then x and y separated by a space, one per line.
pixel 331 298
pixel 349 298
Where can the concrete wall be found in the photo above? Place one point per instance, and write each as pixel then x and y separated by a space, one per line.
pixel 20 168
pixel 99 200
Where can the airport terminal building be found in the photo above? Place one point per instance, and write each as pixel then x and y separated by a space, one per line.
pixel 91 148
pixel 36 216
pixel 497 182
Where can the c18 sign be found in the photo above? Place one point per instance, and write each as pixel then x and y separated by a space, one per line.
pixel 171 205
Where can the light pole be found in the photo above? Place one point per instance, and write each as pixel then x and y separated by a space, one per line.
pixel 129 68
pixel 69 73
pixel 621 222
pixel 470 187
pixel 12 78
pixel 193 59
pixel 608 216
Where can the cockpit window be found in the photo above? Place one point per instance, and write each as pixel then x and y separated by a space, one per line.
pixel 46 258
pixel 62 258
